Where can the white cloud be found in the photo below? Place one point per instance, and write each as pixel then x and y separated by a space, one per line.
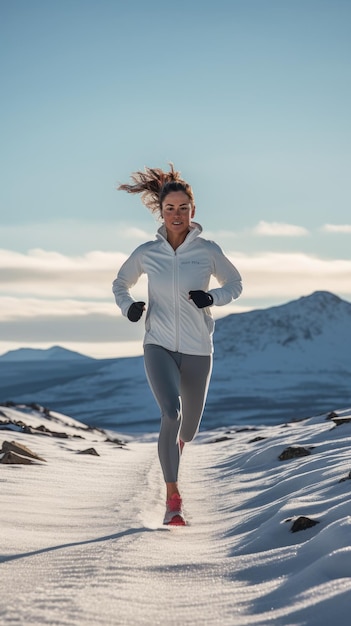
pixel 14 308
pixel 76 285
pixel 337 228
pixel 24 320
pixel 289 275
pixel 279 229
pixel 53 298
pixel 55 275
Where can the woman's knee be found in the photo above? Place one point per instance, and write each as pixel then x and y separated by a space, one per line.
pixel 171 409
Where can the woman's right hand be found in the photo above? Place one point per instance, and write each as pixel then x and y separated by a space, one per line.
pixel 135 311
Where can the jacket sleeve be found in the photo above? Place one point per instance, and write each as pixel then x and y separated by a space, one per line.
pixel 228 277
pixel 127 277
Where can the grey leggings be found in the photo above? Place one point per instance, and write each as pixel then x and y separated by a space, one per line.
pixel 179 383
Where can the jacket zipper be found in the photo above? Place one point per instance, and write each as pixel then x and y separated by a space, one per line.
pixel 176 299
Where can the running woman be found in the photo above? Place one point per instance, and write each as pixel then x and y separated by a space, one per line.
pixel 178 340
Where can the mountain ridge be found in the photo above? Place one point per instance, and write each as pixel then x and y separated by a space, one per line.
pixel 270 365
pixel 42 354
pixel 298 331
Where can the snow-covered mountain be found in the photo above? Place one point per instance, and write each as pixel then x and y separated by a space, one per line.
pixel 283 362
pixel 270 366
pixel 55 353
pixel 293 334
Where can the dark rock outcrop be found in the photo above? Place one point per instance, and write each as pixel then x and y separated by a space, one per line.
pixel 302 523
pixel 294 452
pixel 17 453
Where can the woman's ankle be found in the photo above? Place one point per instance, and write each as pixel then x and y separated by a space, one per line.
pixel 172 488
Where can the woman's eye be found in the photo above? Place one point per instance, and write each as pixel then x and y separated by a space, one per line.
pixel 183 209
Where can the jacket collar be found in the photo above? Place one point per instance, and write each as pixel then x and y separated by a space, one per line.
pixel 195 231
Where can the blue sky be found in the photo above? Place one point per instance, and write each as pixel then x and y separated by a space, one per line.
pixel 249 98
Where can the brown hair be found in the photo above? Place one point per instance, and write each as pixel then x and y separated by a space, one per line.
pixel 154 185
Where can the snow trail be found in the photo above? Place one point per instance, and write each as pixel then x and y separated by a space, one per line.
pixel 82 541
pixel 134 572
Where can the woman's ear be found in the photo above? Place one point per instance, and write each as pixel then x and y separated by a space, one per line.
pixel 193 211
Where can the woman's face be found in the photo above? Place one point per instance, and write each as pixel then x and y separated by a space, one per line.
pixel 177 212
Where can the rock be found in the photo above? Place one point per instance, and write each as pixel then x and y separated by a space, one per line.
pixel 36 407
pixel 245 429
pixel 258 438
pixel 341 420
pixel 11 458
pixel 348 477
pixel 293 452
pixel 302 523
pixel 18 449
pixel 11 426
pixel 220 439
pixel 331 415
pixel 89 451
pixel 118 442
pixel 46 431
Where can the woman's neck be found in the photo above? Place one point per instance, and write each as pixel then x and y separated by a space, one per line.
pixel 175 240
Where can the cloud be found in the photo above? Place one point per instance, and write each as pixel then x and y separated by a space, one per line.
pixel 289 275
pixel 54 275
pixel 337 228
pixel 14 308
pixel 57 328
pixel 279 229
pixel 51 281
pixel 53 298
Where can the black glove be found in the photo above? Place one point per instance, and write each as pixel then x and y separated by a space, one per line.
pixel 201 298
pixel 135 311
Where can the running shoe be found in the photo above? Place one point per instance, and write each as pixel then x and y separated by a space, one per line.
pixel 174 514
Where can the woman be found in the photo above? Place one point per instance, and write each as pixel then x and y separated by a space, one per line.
pixel 179 326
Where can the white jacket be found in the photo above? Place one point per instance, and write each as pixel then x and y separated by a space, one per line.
pixel 172 320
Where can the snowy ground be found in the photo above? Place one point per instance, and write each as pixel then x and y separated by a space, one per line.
pixel 82 541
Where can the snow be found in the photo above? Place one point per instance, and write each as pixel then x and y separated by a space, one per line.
pixel 82 540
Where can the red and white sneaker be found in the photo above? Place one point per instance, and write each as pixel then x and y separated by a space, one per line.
pixel 174 513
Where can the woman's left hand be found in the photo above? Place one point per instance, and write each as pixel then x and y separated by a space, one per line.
pixel 201 298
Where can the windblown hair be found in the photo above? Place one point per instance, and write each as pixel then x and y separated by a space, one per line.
pixel 154 185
